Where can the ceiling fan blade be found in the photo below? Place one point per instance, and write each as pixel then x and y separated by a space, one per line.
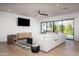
pixel 38 12
pixel 35 15
pixel 43 14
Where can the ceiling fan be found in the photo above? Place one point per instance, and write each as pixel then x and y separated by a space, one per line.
pixel 38 12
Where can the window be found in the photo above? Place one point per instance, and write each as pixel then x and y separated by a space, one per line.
pixel 49 27
pixel 43 29
pixel 58 26
pixel 46 27
pixel 64 26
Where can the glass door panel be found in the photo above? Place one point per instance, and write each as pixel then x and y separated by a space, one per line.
pixel 68 29
pixel 43 27
pixel 58 26
pixel 49 27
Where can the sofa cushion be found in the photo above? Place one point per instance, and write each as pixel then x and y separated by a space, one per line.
pixel 24 35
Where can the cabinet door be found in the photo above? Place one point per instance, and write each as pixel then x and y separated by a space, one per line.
pixel 10 38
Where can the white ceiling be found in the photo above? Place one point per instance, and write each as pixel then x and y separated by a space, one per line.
pixel 28 9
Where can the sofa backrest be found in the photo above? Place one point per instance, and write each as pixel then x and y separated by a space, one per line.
pixel 24 35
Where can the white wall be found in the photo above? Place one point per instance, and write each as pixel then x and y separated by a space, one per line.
pixel 76 28
pixel 62 17
pixel 8 25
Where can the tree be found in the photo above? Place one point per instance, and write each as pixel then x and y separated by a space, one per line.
pixel 55 28
pixel 68 29
pixel 61 28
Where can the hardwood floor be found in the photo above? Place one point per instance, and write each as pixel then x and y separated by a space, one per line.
pixel 69 48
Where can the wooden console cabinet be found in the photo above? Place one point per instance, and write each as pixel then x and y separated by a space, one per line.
pixel 11 39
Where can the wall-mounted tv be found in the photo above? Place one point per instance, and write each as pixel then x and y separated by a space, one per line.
pixel 23 22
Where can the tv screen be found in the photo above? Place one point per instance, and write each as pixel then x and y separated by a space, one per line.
pixel 23 22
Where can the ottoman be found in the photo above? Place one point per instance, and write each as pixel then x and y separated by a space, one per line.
pixel 35 48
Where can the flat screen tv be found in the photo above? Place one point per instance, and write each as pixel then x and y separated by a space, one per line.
pixel 23 22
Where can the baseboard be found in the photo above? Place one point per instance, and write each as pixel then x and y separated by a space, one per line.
pixel 4 42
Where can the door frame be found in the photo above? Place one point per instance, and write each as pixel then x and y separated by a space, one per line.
pixel 73 26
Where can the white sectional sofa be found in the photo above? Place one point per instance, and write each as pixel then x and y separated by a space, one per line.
pixel 48 41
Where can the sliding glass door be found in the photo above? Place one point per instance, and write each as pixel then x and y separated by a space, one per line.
pixel 68 29
pixel 64 26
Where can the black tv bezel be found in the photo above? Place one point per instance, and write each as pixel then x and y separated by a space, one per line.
pixel 23 19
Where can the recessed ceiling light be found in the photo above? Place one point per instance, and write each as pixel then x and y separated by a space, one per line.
pixel 57 5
